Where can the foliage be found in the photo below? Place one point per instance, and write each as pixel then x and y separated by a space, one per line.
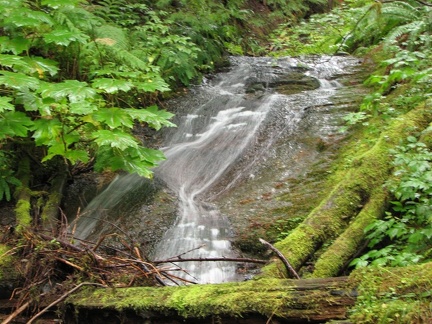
pixel 72 107
pixel 403 237
pixel 7 179
pixel 319 34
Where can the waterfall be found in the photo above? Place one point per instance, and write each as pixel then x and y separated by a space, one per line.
pixel 237 113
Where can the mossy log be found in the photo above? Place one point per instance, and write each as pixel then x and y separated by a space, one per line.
pixel 355 201
pixel 368 295
pixel 255 301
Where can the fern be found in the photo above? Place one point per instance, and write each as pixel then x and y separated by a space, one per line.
pixel 7 180
pixel 389 21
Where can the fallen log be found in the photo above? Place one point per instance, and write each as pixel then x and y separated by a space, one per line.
pixel 254 301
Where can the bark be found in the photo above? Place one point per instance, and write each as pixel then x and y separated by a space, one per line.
pixel 352 204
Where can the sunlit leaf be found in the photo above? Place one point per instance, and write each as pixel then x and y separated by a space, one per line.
pixel 14 123
pixel 114 117
pixel 41 65
pixel 16 45
pixel 75 156
pixel 115 138
pixel 82 108
pixel 152 85
pixel 64 37
pixel 18 80
pixel 5 104
pixel 112 85
pixel 28 18
pixel 29 99
pixel 61 3
pixel 72 89
pixel 45 130
pixel 153 116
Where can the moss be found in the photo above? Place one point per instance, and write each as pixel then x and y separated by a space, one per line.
pixel 400 295
pixel 369 170
pixel 347 244
pixel 266 297
pixel 22 211
pixel 5 259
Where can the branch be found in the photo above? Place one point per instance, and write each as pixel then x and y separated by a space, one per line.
pixel 247 260
pixel 288 266
pixel 62 298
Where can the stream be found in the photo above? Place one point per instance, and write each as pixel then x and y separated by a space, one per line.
pixel 231 130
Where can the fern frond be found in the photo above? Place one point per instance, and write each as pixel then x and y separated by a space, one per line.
pixel 113 36
pixel 413 30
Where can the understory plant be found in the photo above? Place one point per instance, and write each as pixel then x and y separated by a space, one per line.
pixel 404 236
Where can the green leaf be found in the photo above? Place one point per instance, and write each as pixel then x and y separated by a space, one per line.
pixel 41 65
pixel 16 45
pixel 82 108
pixel 5 104
pixel 30 100
pixel 75 156
pixel 115 138
pixel 45 130
pixel 114 117
pixel 72 155
pixel 152 85
pixel 4 190
pixel 112 85
pixel 18 80
pixel 13 61
pixel 153 116
pixel 28 18
pixel 64 37
pixel 55 4
pixel 14 123
pixel 74 90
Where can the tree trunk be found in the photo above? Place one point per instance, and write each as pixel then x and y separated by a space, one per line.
pixel 355 201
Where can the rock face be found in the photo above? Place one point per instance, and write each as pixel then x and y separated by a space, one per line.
pixel 286 84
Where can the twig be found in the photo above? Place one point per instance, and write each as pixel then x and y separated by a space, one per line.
pixel 179 255
pixel 246 260
pixel 62 298
pixel 16 313
pixel 288 266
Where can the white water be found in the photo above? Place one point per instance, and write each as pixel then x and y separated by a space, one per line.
pixel 211 137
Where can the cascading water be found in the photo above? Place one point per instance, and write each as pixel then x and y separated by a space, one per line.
pixel 238 110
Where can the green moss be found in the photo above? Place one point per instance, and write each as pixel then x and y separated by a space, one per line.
pixel 22 211
pixel 266 297
pixel 347 244
pixel 6 262
pixel 368 170
pixel 393 295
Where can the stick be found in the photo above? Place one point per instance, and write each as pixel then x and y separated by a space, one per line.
pixel 62 298
pixel 288 266
pixel 15 313
pixel 247 260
